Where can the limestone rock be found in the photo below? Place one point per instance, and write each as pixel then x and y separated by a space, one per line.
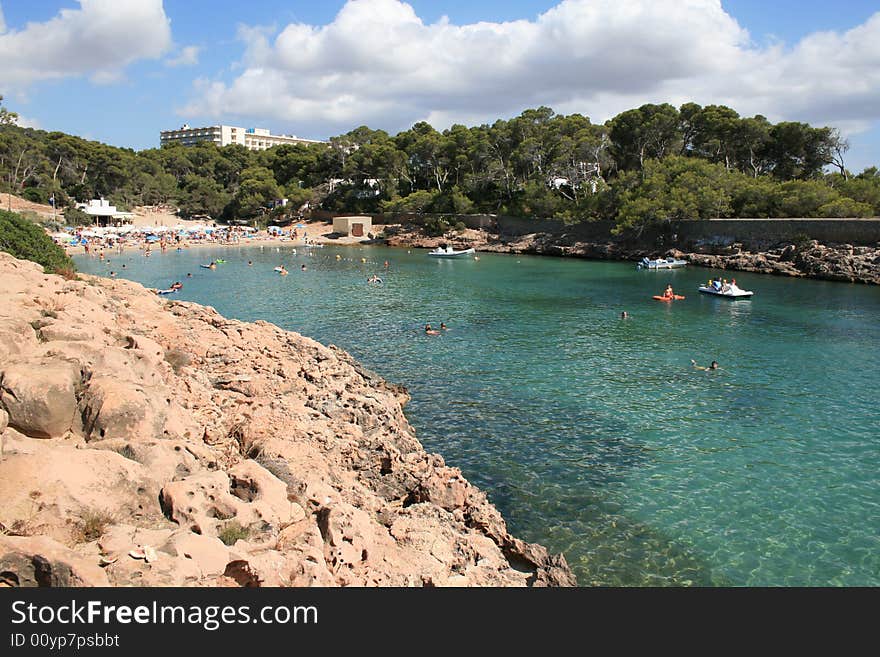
pixel 195 450
pixel 40 396
pixel 114 408
pixel 39 561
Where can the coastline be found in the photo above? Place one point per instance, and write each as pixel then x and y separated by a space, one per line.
pixel 810 259
pixel 149 442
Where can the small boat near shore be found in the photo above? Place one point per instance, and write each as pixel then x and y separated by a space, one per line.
pixel 449 252
pixel 728 292
pixel 661 263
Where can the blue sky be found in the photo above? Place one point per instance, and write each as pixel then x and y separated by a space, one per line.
pixel 351 68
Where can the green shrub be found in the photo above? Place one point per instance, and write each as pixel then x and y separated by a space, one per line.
pixel 233 532
pixel 24 239
pixel 76 217
pixel 34 195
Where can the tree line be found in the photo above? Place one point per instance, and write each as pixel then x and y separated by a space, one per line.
pixel 654 163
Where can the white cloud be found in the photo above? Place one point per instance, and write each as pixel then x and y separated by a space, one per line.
pixel 97 40
pixel 27 122
pixel 378 63
pixel 188 56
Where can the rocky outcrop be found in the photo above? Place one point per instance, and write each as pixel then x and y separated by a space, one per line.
pixel 835 262
pixel 148 442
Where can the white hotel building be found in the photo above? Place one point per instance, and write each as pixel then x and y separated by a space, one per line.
pixel 255 139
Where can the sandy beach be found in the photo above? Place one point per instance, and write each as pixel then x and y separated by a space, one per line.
pixel 316 231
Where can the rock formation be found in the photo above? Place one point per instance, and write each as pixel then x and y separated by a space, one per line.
pixel 149 442
pixel 834 262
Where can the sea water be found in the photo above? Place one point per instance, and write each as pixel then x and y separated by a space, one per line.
pixel 594 435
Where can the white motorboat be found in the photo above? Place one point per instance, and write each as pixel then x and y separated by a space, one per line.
pixel 661 263
pixel 727 291
pixel 449 252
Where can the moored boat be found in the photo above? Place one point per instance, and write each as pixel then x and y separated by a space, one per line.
pixel 661 263
pixel 449 252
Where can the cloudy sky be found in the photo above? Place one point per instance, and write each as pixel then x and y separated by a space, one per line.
pixel 122 70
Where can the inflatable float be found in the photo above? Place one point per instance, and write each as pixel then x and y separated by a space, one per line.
pixel 676 297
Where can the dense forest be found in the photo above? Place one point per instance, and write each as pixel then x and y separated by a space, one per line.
pixel 649 164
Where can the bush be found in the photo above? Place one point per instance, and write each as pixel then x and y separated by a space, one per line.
pixel 34 195
pixel 233 532
pixel 24 239
pixel 75 217
pixel 92 525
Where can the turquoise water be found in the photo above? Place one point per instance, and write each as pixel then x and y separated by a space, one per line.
pixel 594 435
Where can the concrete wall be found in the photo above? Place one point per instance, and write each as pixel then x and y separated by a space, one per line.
pixel 771 231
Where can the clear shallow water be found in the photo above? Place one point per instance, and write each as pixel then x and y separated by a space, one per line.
pixel 594 435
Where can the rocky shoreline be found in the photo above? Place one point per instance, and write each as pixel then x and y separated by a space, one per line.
pixel 809 259
pixel 146 442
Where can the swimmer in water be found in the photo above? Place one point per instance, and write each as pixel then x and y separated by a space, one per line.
pixel 443 327
pixel 712 366
pixel 303 268
pixel 250 263
pixel 430 331
pixel 624 315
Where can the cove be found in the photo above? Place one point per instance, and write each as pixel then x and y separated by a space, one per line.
pixel 594 435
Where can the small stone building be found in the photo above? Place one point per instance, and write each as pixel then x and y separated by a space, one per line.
pixel 353 226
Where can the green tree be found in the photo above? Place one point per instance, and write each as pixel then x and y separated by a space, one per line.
pixel 674 189
pixel 256 191
pixel 649 132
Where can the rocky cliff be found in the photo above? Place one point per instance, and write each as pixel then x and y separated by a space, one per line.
pixel 149 442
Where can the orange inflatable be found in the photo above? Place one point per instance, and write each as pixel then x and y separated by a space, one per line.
pixel 676 297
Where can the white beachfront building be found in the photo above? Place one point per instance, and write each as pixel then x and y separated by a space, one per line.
pixel 255 139
pixel 104 213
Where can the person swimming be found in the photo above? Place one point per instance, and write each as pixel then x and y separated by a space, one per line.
pixel 430 331
pixel 443 327
pixel 624 315
pixel 712 366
